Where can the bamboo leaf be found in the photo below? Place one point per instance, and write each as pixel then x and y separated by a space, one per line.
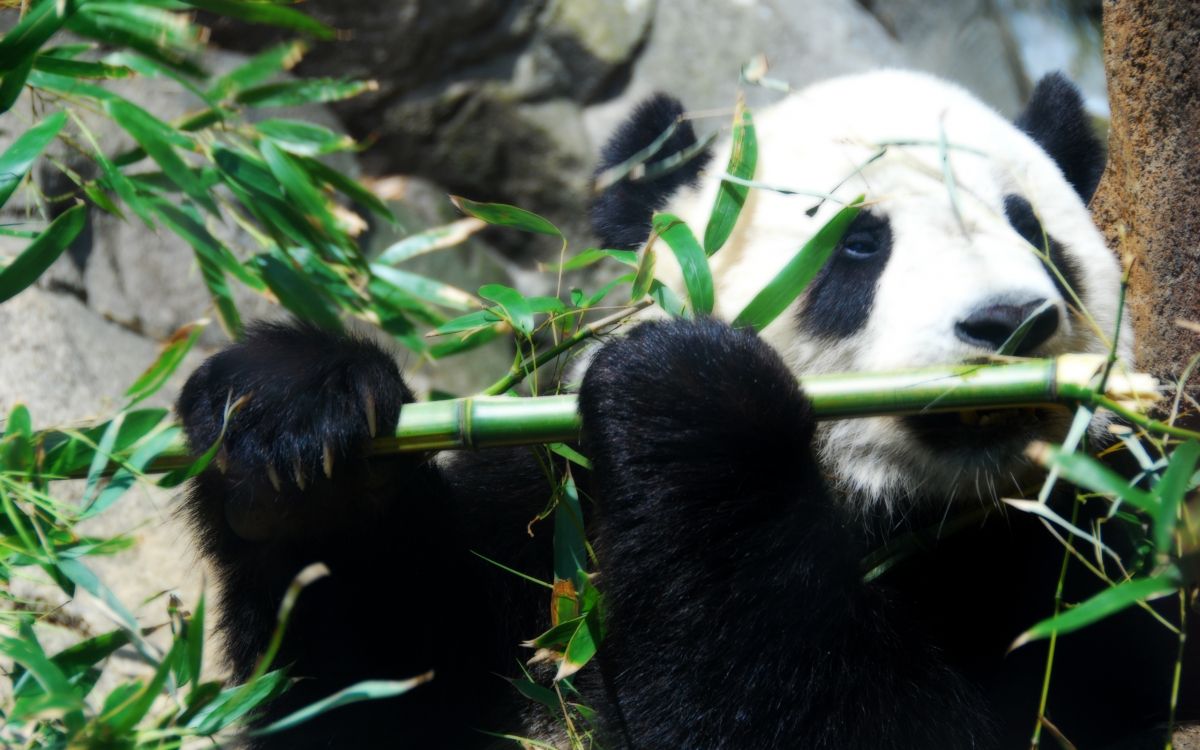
pixel 159 141
pixel 582 646
pixel 308 91
pixel 743 158
pixel 436 238
pixel 424 288
pixel 1171 489
pixel 303 138
pixel 348 187
pixel 692 260
pixel 1100 606
pixel 297 293
pixel 19 157
pixel 195 642
pixel 594 254
pixel 79 68
pixel 83 577
pixel 168 361
pixel 504 215
pixel 788 284
pixel 298 186
pixel 31 32
pixel 42 252
pixel 1087 472
pixel 235 702
pixel 265 13
pixel 516 308
pixel 13 84
pixel 257 69
pixel 645 274
pixel 364 691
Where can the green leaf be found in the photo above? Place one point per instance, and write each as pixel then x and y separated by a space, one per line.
pixel 304 138
pixel 13 84
pixel 257 69
pixel 347 187
pixel 468 322
pixel 692 260
pixel 731 197
pixel 265 13
pixel 570 542
pixel 83 577
pixel 125 477
pixel 594 254
pixel 125 715
pixel 435 238
pixel 1171 489
pixel 297 293
pixel 168 361
pixel 79 68
pixel 424 288
pixel 503 215
pixel 159 141
pixel 19 157
pixel 1087 472
pixel 516 308
pixel 645 274
pixel 39 254
pixel 582 646
pixel 1100 606
pixel 367 690
pixel 165 38
pixel 27 652
pixel 195 642
pixel 298 186
pixel 308 91
pixel 31 32
pixel 787 285
pixel 235 702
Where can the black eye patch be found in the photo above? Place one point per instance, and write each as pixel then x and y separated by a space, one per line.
pixel 840 299
pixel 1022 218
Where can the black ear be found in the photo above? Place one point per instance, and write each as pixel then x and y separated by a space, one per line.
pixel 621 213
pixel 1055 118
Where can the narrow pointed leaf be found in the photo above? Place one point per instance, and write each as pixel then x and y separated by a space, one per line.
pixel 504 215
pixel 743 159
pixel 31 32
pixel 159 140
pixel 304 138
pixel 265 13
pixel 514 305
pixel 1087 472
pixel 790 282
pixel 297 93
pixel 1171 489
pixel 168 361
pixel 297 293
pixel 363 691
pixel 692 261
pixel 1100 606
pixel 19 157
pixel 12 84
pixel 42 252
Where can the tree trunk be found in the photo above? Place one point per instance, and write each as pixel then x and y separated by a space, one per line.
pixel 1148 202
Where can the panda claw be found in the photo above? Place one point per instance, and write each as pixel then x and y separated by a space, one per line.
pixel 274 477
pixel 369 407
pixel 298 472
pixel 327 460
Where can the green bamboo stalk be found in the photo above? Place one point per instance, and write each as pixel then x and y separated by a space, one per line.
pixel 495 421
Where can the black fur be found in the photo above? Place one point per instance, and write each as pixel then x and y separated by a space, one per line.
pixel 1056 119
pixel 840 299
pixel 621 213
pixel 737 616
pixel 1021 216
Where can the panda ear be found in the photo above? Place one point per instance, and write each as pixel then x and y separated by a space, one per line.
pixel 621 213
pixel 1056 119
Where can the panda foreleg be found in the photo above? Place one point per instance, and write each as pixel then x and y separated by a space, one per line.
pixel 291 488
pixel 736 613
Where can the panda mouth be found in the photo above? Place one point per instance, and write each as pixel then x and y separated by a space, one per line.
pixel 994 431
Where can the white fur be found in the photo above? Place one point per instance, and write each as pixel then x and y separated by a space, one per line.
pixel 937 273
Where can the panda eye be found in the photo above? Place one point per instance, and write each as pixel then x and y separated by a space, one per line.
pixel 860 245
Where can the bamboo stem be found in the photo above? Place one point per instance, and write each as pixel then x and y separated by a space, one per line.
pixel 496 421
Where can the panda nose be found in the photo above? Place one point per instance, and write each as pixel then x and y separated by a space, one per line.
pixel 989 327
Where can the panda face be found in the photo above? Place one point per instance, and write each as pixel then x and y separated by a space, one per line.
pixel 970 227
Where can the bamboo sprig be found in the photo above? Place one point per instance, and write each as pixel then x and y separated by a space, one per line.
pixel 495 421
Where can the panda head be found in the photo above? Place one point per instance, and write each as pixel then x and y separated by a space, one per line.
pixel 945 261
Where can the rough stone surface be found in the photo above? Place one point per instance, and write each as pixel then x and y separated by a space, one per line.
pixel 1148 203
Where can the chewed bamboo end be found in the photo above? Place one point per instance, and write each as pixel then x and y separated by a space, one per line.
pixel 1131 389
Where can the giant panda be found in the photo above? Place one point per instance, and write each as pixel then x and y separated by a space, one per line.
pixel 729 527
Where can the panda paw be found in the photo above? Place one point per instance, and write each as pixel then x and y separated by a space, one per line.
pixel 309 400
pixel 697 395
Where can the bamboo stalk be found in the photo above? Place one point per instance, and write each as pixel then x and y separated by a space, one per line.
pixel 496 421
